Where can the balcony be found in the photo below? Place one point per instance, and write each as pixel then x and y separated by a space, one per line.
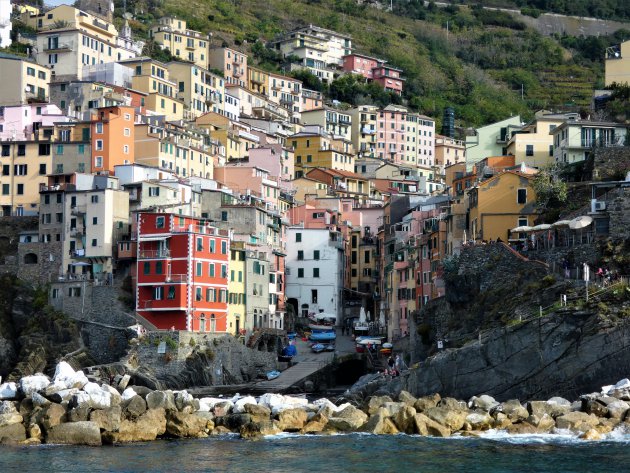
pixel 57 187
pixel 36 97
pixel 77 211
pixel 59 47
pixel 236 72
pixel 152 254
pixel 100 24
pixel 77 233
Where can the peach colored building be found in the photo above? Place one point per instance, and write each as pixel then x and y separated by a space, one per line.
pixel 391 134
pixel 112 132
pixel 250 180
pixel 233 63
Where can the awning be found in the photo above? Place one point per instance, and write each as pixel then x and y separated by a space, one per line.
pixel 153 238
pixel 81 263
pixel 561 223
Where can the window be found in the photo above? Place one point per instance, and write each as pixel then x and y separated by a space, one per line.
pixel 199 243
pixel 6 169
pixel 224 215
pixel 224 247
pixel 300 272
pixel 44 149
pixel 159 222
pixel 6 189
pixel 298 237
pixel 529 150
pixel 171 292
pixel 21 150
pixel 94 220
pixel 158 267
pixel 198 293
pixel 126 149
pixel 94 199
pixel 199 269
pixel 316 255
pixel 99 127
pixel 98 162
pixel 211 270
pixel 20 169
pixel 99 145
pixel 94 242
pixel 550 150
pixel 315 272
pixel 42 169
pixel 6 150
pixel 313 296
pixel 521 197
pixel 300 255
pixel 366 257
pixel 154 191
pixel 158 293
pixel 20 189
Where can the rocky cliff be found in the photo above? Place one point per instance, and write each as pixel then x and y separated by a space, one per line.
pixel 496 343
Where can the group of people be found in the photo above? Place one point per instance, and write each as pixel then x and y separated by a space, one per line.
pixel 395 365
pixel 606 276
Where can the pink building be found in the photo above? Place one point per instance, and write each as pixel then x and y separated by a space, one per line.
pixel 391 134
pixel 22 122
pixel 275 159
pixel 250 180
pixel 233 63
pixel 311 216
pixel 376 70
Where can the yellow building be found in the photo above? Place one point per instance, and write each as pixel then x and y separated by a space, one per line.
pixel 24 168
pixel 23 81
pixel 171 33
pixel 336 122
pixel 175 148
pixel 152 78
pixel 236 289
pixel 364 129
pixel 258 80
pixel 499 204
pixel 533 144
pixel 69 39
pixel 313 148
pixel 617 64
pixel 286 91
pixel 305 186
pixel 201 90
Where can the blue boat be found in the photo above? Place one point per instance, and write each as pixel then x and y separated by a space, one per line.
pixel 318 348
pixel 272 374
pixel 323 336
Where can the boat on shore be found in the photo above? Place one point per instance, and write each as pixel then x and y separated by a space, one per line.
pixel 324 336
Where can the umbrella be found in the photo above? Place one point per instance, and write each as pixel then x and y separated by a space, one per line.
pixel 368 315
pixel 362 318
pixel 521 229
pixel 561 223
pixel 381 319
pixel 543 226
pixel 580 222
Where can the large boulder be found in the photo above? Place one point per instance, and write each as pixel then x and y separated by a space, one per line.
pixel 107 419
pixel 75 433
pixel 135 407
pixel 554 407
pixel 544 423
pixel 179 424
pixel 514 410
pixel 184 399
pixel 453 419
pixel 64 395
pixel 577 421
pixel 316 424
pixel 34 383
pixel 254 430
pixel 593 406
pixel 483 402
pixel 405 419
pixel 292 420
pixel 407 398
pixel 349 419
pixel 233 421
pixel 39 400
pixel 100 396
pixel 67 377
pixel 426 426
pixel 221 409
pixel 239 406
pixel 8 391
pixel 9 414
pixel 147 427
pixel 426 402
pixel 208 418
pixel 258 413
pixel 379 424
pixel 160 400
pixel 127 394
pixel 618 409
pixel 479 420
pixel 372 405
pixel 12 434
pixel 51 416
pixel 78 414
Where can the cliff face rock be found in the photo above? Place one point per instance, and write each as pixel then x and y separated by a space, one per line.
pixel 496 293
pixel 564 355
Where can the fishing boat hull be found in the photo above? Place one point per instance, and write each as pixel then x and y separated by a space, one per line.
pixel 323 336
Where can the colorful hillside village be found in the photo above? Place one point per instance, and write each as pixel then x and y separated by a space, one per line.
pixel 232 199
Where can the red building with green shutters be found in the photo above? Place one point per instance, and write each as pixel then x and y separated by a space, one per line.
pixel 181 272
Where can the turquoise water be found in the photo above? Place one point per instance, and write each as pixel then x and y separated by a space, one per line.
pixel 332 454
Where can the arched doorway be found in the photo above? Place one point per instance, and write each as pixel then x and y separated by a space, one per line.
pixel 202 323
pixel 30 258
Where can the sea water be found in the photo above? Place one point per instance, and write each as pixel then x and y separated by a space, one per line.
pixel 494 452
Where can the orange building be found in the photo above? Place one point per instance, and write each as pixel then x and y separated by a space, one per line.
pixel 112 138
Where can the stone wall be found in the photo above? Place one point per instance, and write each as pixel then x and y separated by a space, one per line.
pixel 10 228
pixel 193 359
pixel 611 163
pixel 619 212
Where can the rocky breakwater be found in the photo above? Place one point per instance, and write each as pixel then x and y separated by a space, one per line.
pixel 69 409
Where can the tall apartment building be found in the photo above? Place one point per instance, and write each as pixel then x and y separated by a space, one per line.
pixel 336 122
pixel 182 273
pixel 69 39
pixel 192 46
pixel 201 91
pixel 364 130
pixel 83 216
pixel 233 63
pixel 23 81
pixel 5 23
pixel 313 147
pixel 113 140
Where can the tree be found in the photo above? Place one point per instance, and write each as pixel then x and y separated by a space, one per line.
pixel 551 191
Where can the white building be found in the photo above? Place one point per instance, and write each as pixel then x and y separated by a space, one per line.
pixel 573 140
pixel 232 106
pixel 314 270
pixel 5 23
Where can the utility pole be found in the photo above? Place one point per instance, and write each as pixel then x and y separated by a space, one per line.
pixel 447 31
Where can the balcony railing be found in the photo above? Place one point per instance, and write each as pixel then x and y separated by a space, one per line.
pixel 147 254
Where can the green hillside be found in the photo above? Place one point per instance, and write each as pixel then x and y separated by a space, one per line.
pixel 487 65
